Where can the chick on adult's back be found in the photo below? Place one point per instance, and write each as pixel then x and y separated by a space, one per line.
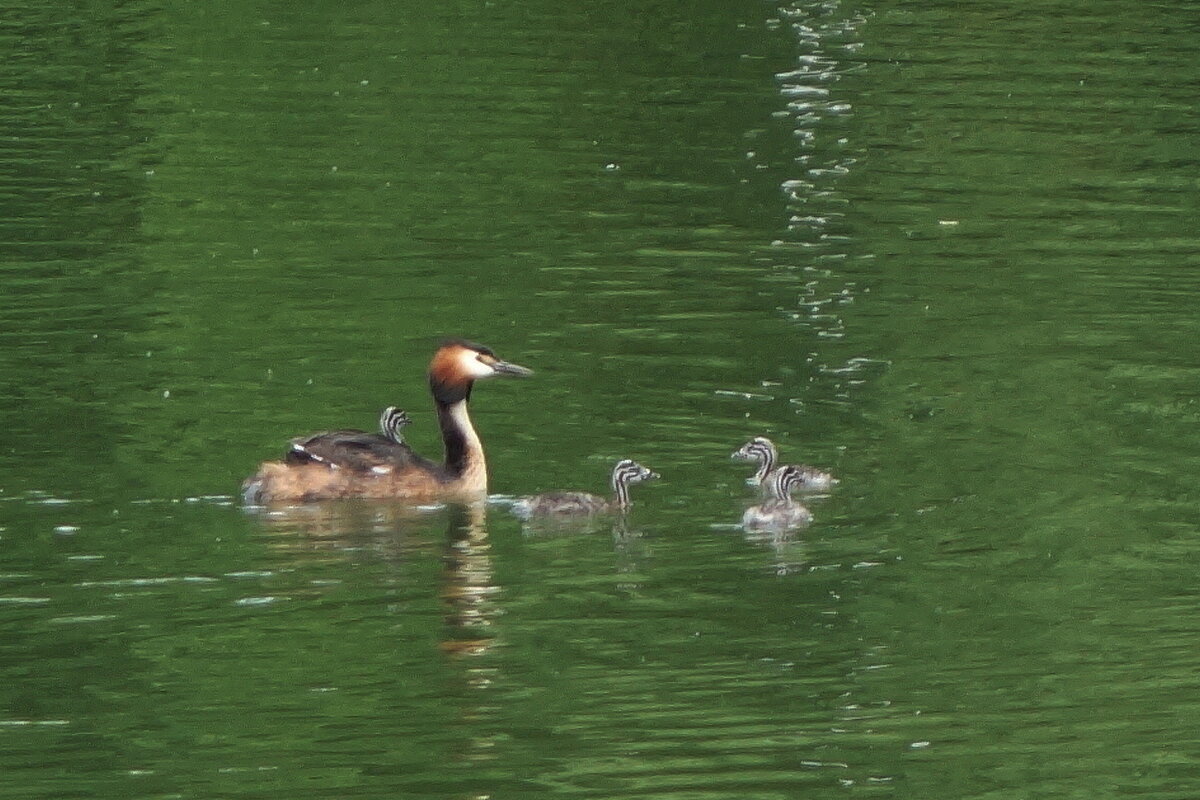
pixel 355 449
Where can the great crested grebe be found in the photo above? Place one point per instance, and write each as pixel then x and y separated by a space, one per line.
pixel 562 504
pixel 762 450
pixel 354 464
pixel 779 511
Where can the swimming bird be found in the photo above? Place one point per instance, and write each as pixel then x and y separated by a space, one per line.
pixel 762 450
pixel 356 464
pixel 565 504
pixel 779 511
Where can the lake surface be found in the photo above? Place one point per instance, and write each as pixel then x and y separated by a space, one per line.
pixel 948 250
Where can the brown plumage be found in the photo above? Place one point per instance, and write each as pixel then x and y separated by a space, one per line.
pixel 350 463
pixel 357 450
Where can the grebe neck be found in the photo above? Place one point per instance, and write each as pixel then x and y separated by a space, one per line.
pixel 783 482
pixel 620 488
pixel 768 455
pixel 464 452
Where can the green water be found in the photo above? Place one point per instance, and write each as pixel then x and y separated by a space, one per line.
pixel 947 250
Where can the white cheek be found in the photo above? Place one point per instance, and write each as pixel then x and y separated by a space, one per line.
pixel 471 365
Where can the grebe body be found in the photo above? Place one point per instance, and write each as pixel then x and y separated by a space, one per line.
pixel 761 450
pixel 779 511
pixel 342 464
pixel 579 504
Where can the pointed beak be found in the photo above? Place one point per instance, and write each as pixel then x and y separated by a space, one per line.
pixel 505 368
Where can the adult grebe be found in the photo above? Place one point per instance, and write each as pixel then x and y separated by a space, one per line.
pixel 555 504
pixel 779 511
pixel 354 464
pixel 760 449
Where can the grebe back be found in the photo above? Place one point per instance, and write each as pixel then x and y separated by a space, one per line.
pixel 354 449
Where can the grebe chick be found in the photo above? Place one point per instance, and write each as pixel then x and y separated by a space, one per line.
pixel 356 464
pixel 779 511
pixel 392 421
pixel 563 504
pixel 762 450
pixel 354 449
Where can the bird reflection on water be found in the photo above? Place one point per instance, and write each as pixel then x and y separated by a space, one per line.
pixel 787 551
pixel 394 532
pixel 468 587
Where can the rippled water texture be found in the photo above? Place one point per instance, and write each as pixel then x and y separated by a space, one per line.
pixel 947 250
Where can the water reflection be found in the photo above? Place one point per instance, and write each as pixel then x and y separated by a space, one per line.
pixel 393 532
pixel 630 544
pixel 786 550
pixel 395 535
pixel 468 585
pixel 339 529
pixel 820 240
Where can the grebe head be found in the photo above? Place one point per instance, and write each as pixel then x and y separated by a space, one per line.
pixel 624 473
pixel 392 421
pixel 457 364
pixel 761 451
pixel 628 471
